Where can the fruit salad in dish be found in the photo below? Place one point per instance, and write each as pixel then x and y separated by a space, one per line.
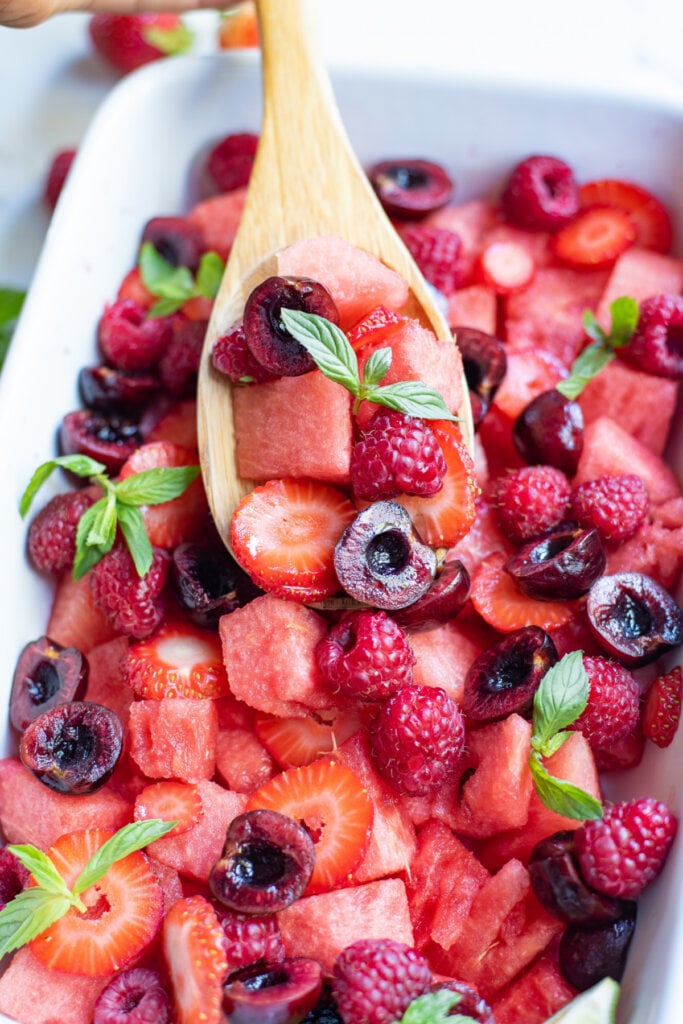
pixel 349 763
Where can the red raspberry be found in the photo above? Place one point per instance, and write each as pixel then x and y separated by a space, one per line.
pixel 616 506
pixel 249 939
pixel 135 996
pixel 231 355
pixel 397 454
pixel 622 852
pixel 56 176
pixel 13 876
pixel 179 365
pixel 417 739
pixel 657 342
pixel 130 601
pixel 662 712
pixel 613 709
pixel 366 656
pixel 229 163
pixel 541 194
pixel 375 980
pixel 438 254
pixel 129 339
pixel 530 501
pixel 52 534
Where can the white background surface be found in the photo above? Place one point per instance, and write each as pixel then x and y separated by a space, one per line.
pixel 51 84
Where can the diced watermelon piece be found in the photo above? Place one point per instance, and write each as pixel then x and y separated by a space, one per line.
pixel 473 306
pixel 609 449
pixel 657 548
pixel 444 653
pixel 483 539
pixel 75 620
pixel 52 814
pixel 233 713
pixel 321 926
pixel 195 852
pixel 530 371
pixel 242 761
pixel 174 738
pixel 269 651
pixel 496 797
pixel 356 280
pixel 471 222
pixel 51 997
pixel 495 433
pixel 611 393
pixel 535 995
pixel 547 314
pixel 534 242
pixel 392 842
pixel 639 273
pixel 218 219
pixel 177 424
pixel 294 427
pixel 107 678
pixel 170 882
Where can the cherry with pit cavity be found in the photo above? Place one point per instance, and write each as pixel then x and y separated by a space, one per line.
pixel 47 674
pixel 268 339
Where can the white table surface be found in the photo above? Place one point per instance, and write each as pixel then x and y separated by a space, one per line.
pixel 51 83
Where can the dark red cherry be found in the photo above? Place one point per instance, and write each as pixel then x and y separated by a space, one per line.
pixel 73 748
pixel 108 438
pixel 47 674
pixel 281 993
pixel 560 566
pixel 115 391
pixel 444 599
pixel 485 363
pixel 506 675
pixel 633 618
pixel 589 954
pixel 558 884
pixel 208 582
pixel 268 339
pixel 176 239
pixel 549 431
pixel 410 189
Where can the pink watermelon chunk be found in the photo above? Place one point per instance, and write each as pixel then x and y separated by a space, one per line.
pixel 529 372
pixel 294 427
pixel 471 222
pixel 640 273
pixel 107 678
pixel 473 306
pixel 54 997
pixel 535 995
pixel 609 449
pixel 483 539
pixel 269 651
pixel 75 620
pixel 322 926
pixel 242 762
pixel 218 219
pixel 174 738
pixel 657 548
pixel 444 654
pixel 356 280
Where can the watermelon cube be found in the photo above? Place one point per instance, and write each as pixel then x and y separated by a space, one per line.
pixel 474 306
pixel 321 926
pixel 529 372
pixel 242 762
pixel 75 620
pixel 534 995
pixel 218 219
pixel 269 652
pixel 174 738
pixel 49 996
pixel 639 273
pixel 274 442
pixel 483 539
pixel 471 222
pixel 657 548
pixel 356 280
pixel 170 882
pixel 609 449
pixel 107 677
pixel 444 653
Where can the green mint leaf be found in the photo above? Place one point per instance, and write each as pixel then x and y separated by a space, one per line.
pixel 164 307
pixel 102 532
pixel 593 328
pixel 327 344
pixel 126 841
pixel 551 746
pixel 561 796
pixel 42 869
pixel 163 279
pixel 586 365
pixel 624 312
pixel 560 698
pixel 80 465
pixel 28 915
pixel 155 486
pixel 377 367
pixel 135 535
pixel 413 398
pixel 434 1008
pixel 210 274
pixel 87 555
pixel 170 41
pixel 11 302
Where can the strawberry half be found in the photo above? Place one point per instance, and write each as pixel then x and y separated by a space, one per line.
pixel 125 909
pixel 650 216
pixel 375 328
pixel 294 742
pixel 193 945
pixel 662 711
pixel 502 604
pixel 334 806
pixel 170 801
pixel 179 660
pixel 284 535
pixel 445 518
pixel 595 238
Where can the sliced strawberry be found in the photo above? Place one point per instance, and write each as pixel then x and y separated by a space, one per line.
pixel 170 801
pixel 334 806
pixel 178 424
pixel 445 518
pixel 650 216
pixel 239 27
pixel 192 941
pixel 284 534
pixel 125 910
pixel 507 267
pixel 179 660
pixel 375 328
pixel 502 604
pixel 181 519
pixel 132 287
pixel 595 238
pixel 294 742
pixel 662 711
pixel 127 41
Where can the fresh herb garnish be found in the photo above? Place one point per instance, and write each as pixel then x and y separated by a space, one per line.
pixel 119 507
pixel 559 700
pixel 334 356
pixel 39 906
pixel 596 356
pixel 170 41
pixel 174 286
pixel 11 301
pixel 435 1008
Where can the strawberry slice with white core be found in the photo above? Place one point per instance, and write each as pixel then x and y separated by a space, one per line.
pixel 297 741
pixel 125 910
pixel 507 267
pixel 595 238
pixel 650 216
pixel 179 660
pixel 193 945
pixel 170 801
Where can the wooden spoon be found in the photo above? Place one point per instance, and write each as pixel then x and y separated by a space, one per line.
pixel 306 181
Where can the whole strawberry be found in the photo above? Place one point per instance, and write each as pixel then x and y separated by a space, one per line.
pixel 127 41
pixel 375 980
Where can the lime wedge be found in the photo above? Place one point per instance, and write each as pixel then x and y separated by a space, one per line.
pixel 595 1006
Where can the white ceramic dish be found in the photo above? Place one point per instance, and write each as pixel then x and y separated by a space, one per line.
pixel 134 164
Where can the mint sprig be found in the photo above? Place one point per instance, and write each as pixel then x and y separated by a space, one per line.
pixel 11 301
pixel 559 700
pixel 334 356
pixel 435 1008
pixel 38 907
pixel 170 41
pixel 602 350
pixel 119 508
pixel 174 286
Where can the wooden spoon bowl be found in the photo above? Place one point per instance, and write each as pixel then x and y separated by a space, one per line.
pixel 306 181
